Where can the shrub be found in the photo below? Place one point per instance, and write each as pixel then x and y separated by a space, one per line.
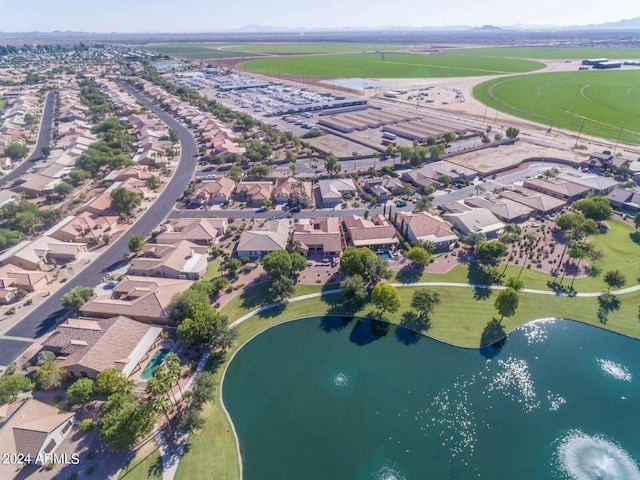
pixel 86 425
pixel 45 356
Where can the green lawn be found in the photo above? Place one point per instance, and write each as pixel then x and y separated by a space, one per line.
pixel 602 103
pixel 213 270
pixel 195 50
pixel 318 47
pixel 390 65
pixel 147 465
pixel 551 53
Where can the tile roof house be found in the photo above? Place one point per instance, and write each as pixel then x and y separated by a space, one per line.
pixel 202 231
pixel 319 235
pixel 539 202
pixel 82 228
pixel 29 280
pixel 503 208
pixel 254 192
pixel 146 299
pixel 429 174
pixel 85 347
pixel 294 190
pixel 212 192
pixel 385 187
pixel 377 233
pixel 556 187
pixel 274 235
pixel 475 220
pixel 333 190
pixel 625 199
pixel 184 260
pixel 596 183
pixel 426 227
pixel 32 428
pixel 34 254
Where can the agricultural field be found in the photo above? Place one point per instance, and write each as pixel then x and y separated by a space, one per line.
pixel 602 103
pixel 389 65
pixel 196 51
pixel 318 47
pixel 550 53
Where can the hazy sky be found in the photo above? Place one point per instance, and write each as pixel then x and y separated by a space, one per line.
pixel 218 15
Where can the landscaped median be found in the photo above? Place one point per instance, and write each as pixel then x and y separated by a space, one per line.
pixel 460 320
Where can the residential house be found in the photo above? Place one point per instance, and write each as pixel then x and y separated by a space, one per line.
pixel 145 299
pixel 36 185
pixel 184 260
pixel 384 187
pixel 319 235
pixel 293 191
pixel 31 428
pixel 201 231
pixel 35 254
pixel 595 183
pixel 625 199
pixel 475 220
pixel 85 346
pixel 29 280
pixel 603 161
pixel 432 174
pixel 426 227
pixel 556 187
pixel 333 190
pixel 377 233
pixel 503 208
pixel 212 192
pixel 82 228
pixel 256 243
pixel 254 193
pixel 539 202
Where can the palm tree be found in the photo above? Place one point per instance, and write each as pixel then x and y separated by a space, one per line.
pixel 174 368
pixel 510 235
pixel 474 238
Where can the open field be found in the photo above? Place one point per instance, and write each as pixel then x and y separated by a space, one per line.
pixel 318 47
pixel 550 53
pixel 605 101
pixel 146 465
pixel 389 65
pixel 196 51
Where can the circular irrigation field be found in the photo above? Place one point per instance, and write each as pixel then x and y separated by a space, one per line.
pixel 602 103
pixel 389 65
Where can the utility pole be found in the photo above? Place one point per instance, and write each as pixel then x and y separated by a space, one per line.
pixel 579 133
pixel 618 140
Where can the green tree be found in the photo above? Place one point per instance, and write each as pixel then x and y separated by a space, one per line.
pixel 11 386
pixel 63 189
pixel 385 297
pixel 636 221
pixel 260 170
pixel 614 279
pixel 423 204
pixel 282 288
pixel 45 151
pixel 76 297
pixel 418 256
pixel 577 224
pixel 507 302
pixel 235 173
pixel 512 132
pixel 80 392
pixel 595 207
pixel 77 176
pixel 182 302
pixel 173 136
pixel 124 201
pixel 362 261
pixel 110 381
pixel 424 301
pixel 45 356
pixel 204 326
pixel 449 136
pixel 124 420
pixel 353 289
pixel 490 252
pixel 16 151
pixel 153 182
pixel 136 243
pixel 49 375
pixel 514 283
pixel 332 165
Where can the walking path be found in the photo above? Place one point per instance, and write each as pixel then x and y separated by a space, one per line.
pixel 171 459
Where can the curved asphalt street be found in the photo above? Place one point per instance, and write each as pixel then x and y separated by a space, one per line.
pixel 45 316
pixel 44 138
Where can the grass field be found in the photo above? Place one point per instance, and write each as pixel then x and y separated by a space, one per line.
pixel 196 51
pixel 550 53
pixel 606 101
pixel 389 65
pixel 147 465
pixel 213 270
pixel 318 47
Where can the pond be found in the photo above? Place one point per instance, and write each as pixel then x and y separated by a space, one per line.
pixel 341 398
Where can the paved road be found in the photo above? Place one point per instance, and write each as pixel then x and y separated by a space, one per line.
pixel 45 316
pixel 44 139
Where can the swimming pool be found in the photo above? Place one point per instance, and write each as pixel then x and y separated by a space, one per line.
pixel 386 255
pixel 156 360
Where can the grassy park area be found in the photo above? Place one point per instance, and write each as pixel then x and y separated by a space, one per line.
pixel 389 65
pixel 599 103
pixel 146 465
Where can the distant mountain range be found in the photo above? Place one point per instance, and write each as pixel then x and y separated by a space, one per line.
pixel 630 24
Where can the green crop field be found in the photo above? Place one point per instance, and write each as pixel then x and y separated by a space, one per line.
pixel 196 50
pixel 389 65
pixel 552 53
pixel 322 47
pixel 602 103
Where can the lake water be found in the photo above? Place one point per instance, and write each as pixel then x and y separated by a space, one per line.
pixel 325 398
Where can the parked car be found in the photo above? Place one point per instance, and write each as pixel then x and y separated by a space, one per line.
pixel 401 203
